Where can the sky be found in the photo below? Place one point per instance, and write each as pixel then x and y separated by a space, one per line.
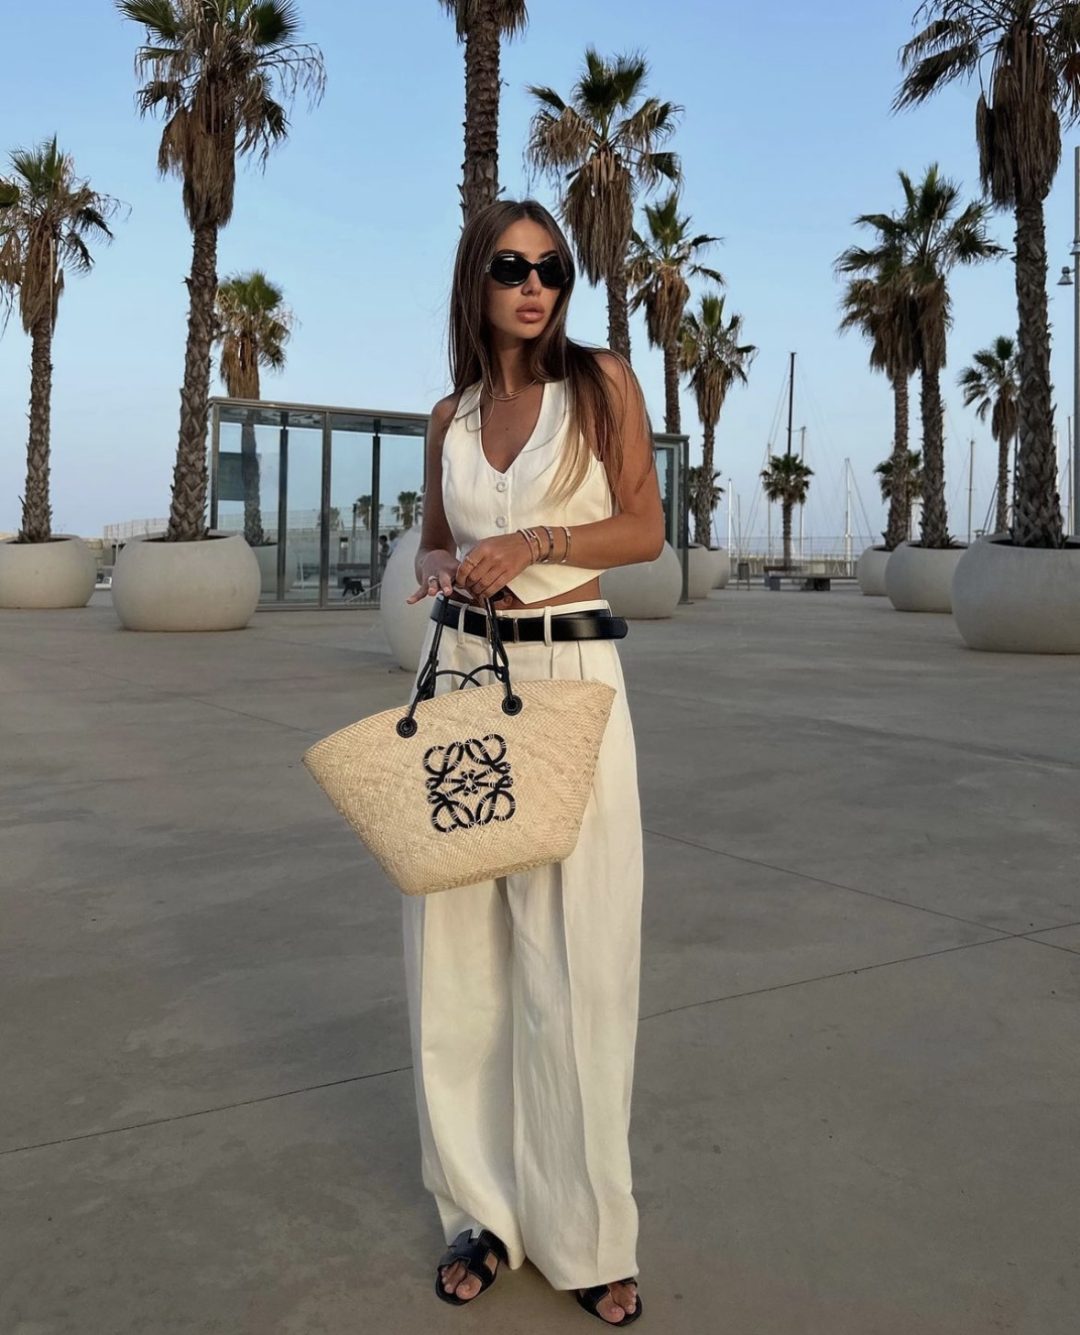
pixel 785 137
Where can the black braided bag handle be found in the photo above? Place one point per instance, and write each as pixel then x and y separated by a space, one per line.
pixel 430 672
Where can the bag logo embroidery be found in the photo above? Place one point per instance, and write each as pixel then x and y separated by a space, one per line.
pixel 469 783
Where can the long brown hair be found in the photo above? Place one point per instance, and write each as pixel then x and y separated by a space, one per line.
pixel 593 425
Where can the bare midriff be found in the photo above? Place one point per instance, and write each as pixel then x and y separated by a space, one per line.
pixel 583 593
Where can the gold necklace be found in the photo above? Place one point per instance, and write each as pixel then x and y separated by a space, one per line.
pixel 505 398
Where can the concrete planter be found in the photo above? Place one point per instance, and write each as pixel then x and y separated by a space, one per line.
pixel 705 563
pixel 870 571
pixel 723 575
pixel 186 586
pixel 266 556
pixel 58 573
pixel 919 579
pixel 1018 600
pixel 647 591
pixel 404 625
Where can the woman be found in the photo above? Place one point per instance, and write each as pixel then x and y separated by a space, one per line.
pixel 523 991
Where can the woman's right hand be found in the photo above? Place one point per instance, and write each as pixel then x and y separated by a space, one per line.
pixel 438 569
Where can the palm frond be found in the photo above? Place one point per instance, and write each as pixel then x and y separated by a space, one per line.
pixel 50 215
pixel 928 74
pixel 221 72
pixel 159 17
pixel 548 96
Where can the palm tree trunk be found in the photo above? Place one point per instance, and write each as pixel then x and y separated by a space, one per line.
pixel 935 519
pixel 1001 522
pixel 899 501
pixel 786 511
pixel 37 513
pixel 480 170
pixel 702 508
pixel 618 314
pixel 1037 516
pixel 251 482
pixel 188 506
pixel 672 414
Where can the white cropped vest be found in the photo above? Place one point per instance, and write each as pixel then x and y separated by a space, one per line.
pixel 480 502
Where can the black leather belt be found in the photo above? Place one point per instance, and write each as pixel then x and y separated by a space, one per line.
pixel 592 624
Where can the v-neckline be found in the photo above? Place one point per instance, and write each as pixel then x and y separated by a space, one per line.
pixel 502 472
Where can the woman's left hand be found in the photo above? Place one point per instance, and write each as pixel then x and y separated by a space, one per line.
pixel 492 564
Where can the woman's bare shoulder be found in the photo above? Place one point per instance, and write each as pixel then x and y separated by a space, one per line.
pixel 441 416
pixel 616 368
pixel 443 412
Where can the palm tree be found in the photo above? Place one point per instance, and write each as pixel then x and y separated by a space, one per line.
pixel 221 71
pixel 657 271
pixel 901 486
pixel 885 314
pixel 712 356
pixel 406 507
pixel 993 385
pixel 700 494
pixel 481 25
pixel 915 252
pixel 253 326
pixel 49 215
pixel 1033 90
pixel 787 480
pixel 599 149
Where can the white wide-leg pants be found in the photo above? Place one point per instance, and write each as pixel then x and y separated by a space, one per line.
pixel 523 1008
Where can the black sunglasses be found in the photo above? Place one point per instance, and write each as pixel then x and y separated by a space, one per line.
pixel 511 269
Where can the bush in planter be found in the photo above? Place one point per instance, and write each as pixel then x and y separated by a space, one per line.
pixel 213 69
pixel 47 217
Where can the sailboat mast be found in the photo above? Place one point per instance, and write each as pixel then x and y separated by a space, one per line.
pixel 790 404
pixel 971 484
pixel 802 508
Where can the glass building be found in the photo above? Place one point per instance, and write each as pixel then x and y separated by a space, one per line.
pixel 341 484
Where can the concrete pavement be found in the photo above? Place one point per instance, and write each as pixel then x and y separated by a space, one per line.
pixel 856 1098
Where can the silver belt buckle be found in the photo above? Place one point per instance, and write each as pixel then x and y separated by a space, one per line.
pixel 516 637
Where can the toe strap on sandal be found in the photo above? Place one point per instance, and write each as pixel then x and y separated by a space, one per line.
pixel 590 1300
pixel 473 1253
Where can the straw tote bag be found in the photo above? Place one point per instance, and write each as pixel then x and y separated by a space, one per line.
pixel 472 783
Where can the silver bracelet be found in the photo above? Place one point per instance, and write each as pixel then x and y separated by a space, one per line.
pixel 531 538
pixel 567 552
pixel 546 558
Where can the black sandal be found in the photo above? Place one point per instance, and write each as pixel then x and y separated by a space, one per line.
pixel 473 1251
pixel 591 1299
